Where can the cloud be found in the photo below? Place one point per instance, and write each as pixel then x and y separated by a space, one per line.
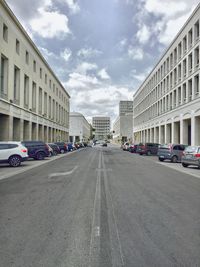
pixel 171 29
pixel 85 67
pixel 141 76
pixel 170 16
pixel 88 52
pixel 143 34
pixel 93 102
pixel 135 53
pixel 47 54
pixel 103 74
pixel 66 54
pixel 73 6
pixel 168 8
pixel 50 24
pixel 79 81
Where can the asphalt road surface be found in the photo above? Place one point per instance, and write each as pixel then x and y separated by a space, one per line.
pixel 100 207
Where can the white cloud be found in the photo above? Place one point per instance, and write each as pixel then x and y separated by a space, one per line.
pixel 47 54
pixel 66 54
pixel 81 81
pixel 171 16
pixel 135 53
pixel 171 29
pixel 143 34
pixel 85 67
pixel 168 8
pixel 73 6
pixel 142 75
pixel 93 102
pixel 88 52
pixel 50 24
pixel 103 74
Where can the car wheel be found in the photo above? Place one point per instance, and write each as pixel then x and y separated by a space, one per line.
pixel 40 156
pixel 55 153
pixel 62 151
pixel 174 159
pixel 15 161
pixel 161 159
pixel 184 165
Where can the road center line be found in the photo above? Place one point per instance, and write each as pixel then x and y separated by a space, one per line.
pixel 95 233
pixel 114 232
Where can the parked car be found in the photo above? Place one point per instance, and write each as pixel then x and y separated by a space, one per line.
pixel 191 156
pixel 172 152
pixel 55 149
pixel 36 149
pixel 70 147
pixel 104 144
pixel 13 153
pixel 62 146
pixel 125 146
pixel 133 148
pixel 148 149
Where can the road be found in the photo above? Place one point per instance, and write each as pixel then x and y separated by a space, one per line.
pixel 100 207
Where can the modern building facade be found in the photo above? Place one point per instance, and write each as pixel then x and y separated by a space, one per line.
pixel 167 104
pixel 102 127
pixel 123 125
pixel 125 107
pixel 33 103
pixel 79 128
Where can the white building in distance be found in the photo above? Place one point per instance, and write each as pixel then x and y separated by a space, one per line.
pixel 33 103
pixel 123 125
pixel 79 128
pixel 102 127
pixel 167 104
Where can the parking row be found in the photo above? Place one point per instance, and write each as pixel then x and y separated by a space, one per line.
pixel 13 153
pixel 187 155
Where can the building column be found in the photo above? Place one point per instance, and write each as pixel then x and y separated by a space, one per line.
pixel 181 129
pixel 30 130
pixel 10 128
pixel 165 131
pixel 193 130
pixel 21 129
pixel 159 135
pixel 172 132
pixel 155 135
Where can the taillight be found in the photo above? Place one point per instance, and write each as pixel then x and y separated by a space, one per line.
pixel 65 145
pixel 24 150
pixel 197 155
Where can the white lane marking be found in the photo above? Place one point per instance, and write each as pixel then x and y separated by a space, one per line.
pixel 112 211
pixel 95 233
pixel 62 173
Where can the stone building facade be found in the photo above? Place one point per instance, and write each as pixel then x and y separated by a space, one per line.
pixel 167 105
pixel 33 103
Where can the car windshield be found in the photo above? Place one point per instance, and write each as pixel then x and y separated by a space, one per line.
pixel 164 146
pixel 191 149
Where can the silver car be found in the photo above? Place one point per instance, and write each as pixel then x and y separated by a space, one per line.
pixel 191 156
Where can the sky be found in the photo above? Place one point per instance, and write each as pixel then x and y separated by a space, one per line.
pixel 102 50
